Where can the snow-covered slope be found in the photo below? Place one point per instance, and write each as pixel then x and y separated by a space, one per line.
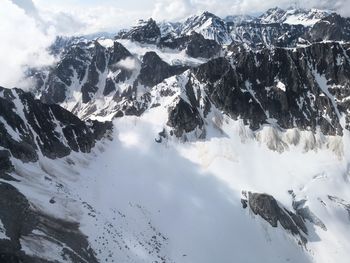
pixel 31 132
pixel 306 17
pixel 142 201
pixel 216 151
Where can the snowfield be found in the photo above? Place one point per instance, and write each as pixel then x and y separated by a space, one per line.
pixel 142 201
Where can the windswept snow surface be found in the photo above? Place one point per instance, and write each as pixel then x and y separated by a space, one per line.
pixel 191 193
pixel 142 201
pixel 198 213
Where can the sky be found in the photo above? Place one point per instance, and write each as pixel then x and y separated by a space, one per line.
pixel 88 16
pixel 27 27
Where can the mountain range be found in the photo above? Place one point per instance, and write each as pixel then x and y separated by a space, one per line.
pixel 204 140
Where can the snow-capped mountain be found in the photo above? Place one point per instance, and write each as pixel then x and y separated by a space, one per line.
pixel 274 27
pixel 193 141
pixel 144 31
pixel 257 35
pixel 306 17
pixel 208 25
pixel 170 29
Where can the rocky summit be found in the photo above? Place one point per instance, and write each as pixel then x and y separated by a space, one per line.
pixel 187 141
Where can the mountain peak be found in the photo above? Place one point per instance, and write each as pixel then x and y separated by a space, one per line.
pixel 143 22
pixel 144 31
pixel 209 25
pixel 208 14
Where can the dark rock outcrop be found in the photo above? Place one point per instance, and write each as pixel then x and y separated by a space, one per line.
pixel 45 127
pixel 98 64
pixel 154 70
pixel 333 27
pixel 6 166
pixel 20 219
pixel 184 118
pixel 268 208
pixel 117 53
pixel 144 32
pixel 258 35
pixel 295 87
pixel 83 63
pixel 195 45
pixel 74 61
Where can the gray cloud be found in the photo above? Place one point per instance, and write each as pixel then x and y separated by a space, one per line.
pixel 27 5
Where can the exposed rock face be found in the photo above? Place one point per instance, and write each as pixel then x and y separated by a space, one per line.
pixel 5 164
pixel 258 35
pixel 300 16
pixel 184 118
pixel 27 125
pixel 154 70
pixel 89 72
pixel 144 32
pixel 60 77
pixel 294 87
pixel 255 81
pixel 24 225
pixel 333 27
pixel 268 208
pixel 276 27
pixel 81 68
pixel 98 64
pixel 197 45
pixel 305 212
pixel 118 53
pixel 194 44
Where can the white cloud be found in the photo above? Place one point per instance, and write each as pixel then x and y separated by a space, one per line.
pixel 172 10
pixel 99 18
pixel 130 63
pixel 22 43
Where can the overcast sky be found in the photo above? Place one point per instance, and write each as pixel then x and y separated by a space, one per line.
pixel 27 27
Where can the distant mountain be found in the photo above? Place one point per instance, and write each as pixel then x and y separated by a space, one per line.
pixel 306 17
pixel 208 25
pixel 144 31
pixel 274 27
